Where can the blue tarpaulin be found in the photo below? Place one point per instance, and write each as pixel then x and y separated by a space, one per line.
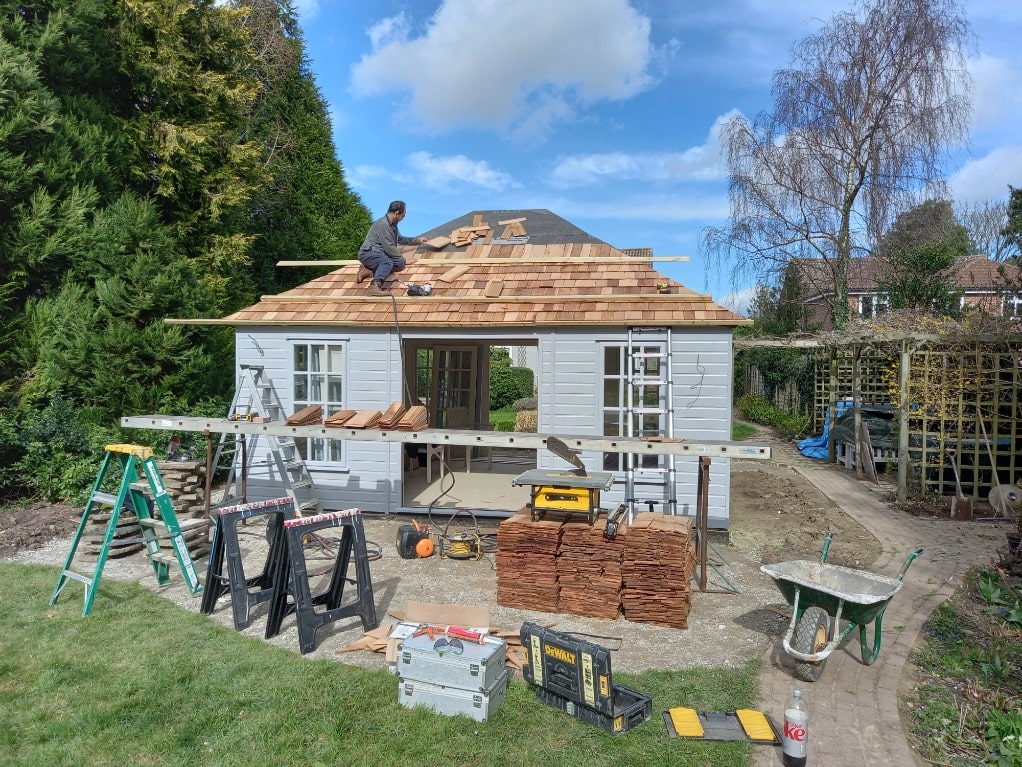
pixel 816 447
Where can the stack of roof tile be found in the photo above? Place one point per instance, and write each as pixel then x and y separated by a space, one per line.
pixel 339 418
pixel 306 416
pixel 659 559
pixel 527 562
pixel 415 418
pixel 363 419
pixel 392 415
pixel 589 569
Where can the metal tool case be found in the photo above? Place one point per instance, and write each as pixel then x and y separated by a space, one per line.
pixel 473 667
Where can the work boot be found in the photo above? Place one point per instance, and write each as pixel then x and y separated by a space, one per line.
pixel 364 273
pixel 376 289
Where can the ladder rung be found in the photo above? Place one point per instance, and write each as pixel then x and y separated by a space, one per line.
pixel 649 355
pixel 301 484
pixel 650 470
pixel 309 505
pixel 108 498
pixel 167 559
pixel 77 577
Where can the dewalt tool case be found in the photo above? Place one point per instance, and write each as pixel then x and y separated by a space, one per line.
pixel 629 708
pixel 574 669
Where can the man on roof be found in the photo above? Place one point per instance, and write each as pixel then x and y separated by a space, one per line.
pixel 378 257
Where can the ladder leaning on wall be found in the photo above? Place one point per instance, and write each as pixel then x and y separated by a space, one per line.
pixel 256 396
pixel 650 480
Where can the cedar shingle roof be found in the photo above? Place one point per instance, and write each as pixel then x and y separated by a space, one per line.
pixel 560 276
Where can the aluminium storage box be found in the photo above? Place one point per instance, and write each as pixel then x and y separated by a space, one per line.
pixel 567 666
pixel 468 665
pixel 630 709
pixel 452 701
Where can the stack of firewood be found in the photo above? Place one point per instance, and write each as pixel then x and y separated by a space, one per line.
pixel 527 562
pixel 659 559
pixel 589 570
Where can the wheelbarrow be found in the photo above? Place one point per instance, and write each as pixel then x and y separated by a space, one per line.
pixel 821 595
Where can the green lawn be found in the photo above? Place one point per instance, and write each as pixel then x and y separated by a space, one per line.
pixel 142 681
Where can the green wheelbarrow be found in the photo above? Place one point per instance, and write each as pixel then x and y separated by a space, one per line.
pixel 821 595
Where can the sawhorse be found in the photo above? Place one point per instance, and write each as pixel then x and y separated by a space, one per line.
pixel 291 578
pixel 245 591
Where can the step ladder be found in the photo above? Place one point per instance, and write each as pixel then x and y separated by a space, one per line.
pixel 256 396
pixel 650 480
pixel 139 496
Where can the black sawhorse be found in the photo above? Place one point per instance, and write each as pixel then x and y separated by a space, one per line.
pixel 291 578
pixel 245 591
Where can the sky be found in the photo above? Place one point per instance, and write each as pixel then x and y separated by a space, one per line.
pixel 605 112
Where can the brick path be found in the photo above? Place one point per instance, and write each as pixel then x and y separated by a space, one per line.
pixel 853 708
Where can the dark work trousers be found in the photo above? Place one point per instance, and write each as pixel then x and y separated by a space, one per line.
pixel 381 264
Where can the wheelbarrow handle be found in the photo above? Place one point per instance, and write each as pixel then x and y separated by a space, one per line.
pixel 908 561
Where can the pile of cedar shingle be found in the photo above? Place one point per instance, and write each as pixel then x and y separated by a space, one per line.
pixel 306 416
pixel 659 559
pixel 527 563
pixel 589 570
pixel 414 418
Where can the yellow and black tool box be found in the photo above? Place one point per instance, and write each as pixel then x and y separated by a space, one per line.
pixel 629 709
pixel 565 491
pixel 743 724
pixel 572 668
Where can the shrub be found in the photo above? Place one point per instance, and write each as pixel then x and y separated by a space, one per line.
pixel 506 423
pixel 758 410
pixel 526 420
pixel 526 403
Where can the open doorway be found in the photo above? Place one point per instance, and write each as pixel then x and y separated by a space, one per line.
pixel 453 382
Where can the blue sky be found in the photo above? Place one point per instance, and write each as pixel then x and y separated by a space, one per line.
pixel 605 112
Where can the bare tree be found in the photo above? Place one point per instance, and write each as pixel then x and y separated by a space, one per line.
pixel 986 222
pixel 859 131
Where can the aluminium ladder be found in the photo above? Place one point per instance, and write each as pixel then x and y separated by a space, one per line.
pixel 131 494
pixel 650 480
pixel 255 396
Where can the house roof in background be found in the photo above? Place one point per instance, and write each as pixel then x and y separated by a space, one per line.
pixel 975 273
pixel 558 276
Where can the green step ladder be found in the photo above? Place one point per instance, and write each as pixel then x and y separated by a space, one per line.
pixel 132 494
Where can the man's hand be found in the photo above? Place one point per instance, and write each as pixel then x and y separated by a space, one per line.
pixel 423 240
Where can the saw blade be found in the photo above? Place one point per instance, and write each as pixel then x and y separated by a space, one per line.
pixel 561 450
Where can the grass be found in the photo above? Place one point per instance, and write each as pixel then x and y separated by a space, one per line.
pixel 966 705
pixel 742 431
pixel 142 681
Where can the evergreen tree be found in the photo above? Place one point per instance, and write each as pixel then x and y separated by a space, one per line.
pixel 306 211
pixel 1013 231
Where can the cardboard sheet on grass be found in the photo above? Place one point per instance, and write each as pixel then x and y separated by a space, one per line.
pixel 386 637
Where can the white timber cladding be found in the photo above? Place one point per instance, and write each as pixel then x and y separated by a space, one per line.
pixel 568 380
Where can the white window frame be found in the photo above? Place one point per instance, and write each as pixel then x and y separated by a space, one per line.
pixel 318 377
pixel 1011 305
pixel 618 413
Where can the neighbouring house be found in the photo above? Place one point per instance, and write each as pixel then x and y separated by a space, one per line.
pixel 586 312
pixel 993 286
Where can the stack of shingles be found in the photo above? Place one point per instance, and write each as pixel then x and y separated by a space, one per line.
pixel 415 418
pixel 589 569
pixel 659 559
pixel 363 419
pixel 306 416
pixel 340 418
pixel 391 416
pixel 527 562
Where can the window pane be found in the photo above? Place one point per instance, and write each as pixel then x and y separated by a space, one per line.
pixel 301 358
pixel 336 362
pixel 318 358
pixel 611 361
pixel 301 389
pixel 316 388
pixel 335 391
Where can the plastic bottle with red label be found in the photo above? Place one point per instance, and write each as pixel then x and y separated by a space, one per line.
pixel 795 739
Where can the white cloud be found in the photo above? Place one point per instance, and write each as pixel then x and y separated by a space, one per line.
pixel 997 90
pixel 657 209
pixel 524 65
pixel 366 176
pixel 739 301
pixel 988 177
pixel 699 163
pixel 441 172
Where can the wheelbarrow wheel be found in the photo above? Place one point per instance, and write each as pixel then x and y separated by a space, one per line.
pixel 810 638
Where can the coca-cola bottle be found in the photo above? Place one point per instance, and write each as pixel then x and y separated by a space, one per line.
pixel 796 731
